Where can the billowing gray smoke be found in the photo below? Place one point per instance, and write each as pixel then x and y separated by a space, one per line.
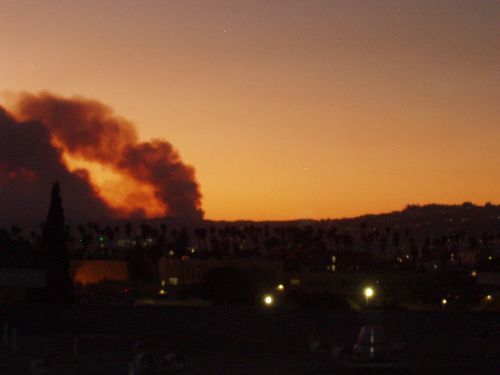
pixel 29 164
pixel 90 131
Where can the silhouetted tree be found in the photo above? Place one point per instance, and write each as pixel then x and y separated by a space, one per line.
pixel 128 229
pixel 55 252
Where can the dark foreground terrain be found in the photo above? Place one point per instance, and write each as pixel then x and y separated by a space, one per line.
pixel 237 341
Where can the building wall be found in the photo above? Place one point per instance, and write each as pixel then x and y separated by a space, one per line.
pixel 95 271
pixel 15 281
pixel 194 271
pixel 23 277
pixel 489 279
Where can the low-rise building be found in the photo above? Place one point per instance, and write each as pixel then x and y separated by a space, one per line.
pixel 194 271
pixel 94 271
pixel 16 282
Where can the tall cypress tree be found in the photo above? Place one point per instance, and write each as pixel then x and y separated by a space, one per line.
pixel 55 252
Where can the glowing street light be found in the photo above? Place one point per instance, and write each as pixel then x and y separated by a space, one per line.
pixel 280 287
pixel 369 293
pixel 444 301
pixel 489 297
pixel 268 300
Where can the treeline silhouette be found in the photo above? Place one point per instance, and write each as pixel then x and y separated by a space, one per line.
pixel 404 239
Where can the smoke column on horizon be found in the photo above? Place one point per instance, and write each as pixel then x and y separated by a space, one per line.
pixel 89 131
pixel 29 164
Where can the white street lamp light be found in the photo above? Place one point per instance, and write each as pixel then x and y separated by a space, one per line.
pixel 268 300
pixel 369 293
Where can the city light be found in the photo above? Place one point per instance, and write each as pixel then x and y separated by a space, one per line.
pixel 369 292
pixel 162 292
pixel 489 297
pixel 473 273
pixel 444 301
pixel 280 287
pixel 268 300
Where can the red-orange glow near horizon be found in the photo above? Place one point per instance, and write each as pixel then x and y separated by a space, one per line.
pixel 285 110
pixel 91 272
pixel 125 195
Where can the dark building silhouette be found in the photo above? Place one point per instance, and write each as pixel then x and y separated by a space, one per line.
pixel 55 252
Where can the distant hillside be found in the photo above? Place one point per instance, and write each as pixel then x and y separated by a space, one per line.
pixel 437 217
pixel 431 219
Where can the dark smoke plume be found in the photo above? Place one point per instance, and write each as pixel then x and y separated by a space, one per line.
pixel 29 164
pixel 88 130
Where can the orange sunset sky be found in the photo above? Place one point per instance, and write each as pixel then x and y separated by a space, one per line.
pixel 286 109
